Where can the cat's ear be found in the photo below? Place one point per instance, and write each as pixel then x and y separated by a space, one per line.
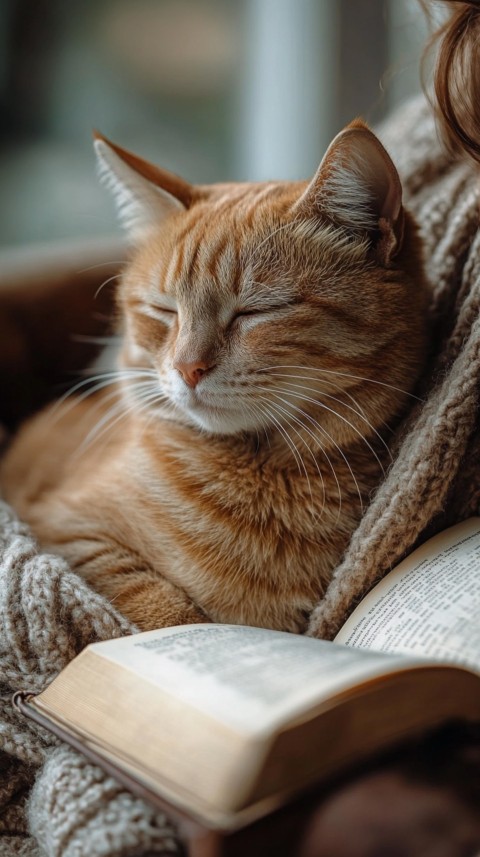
pixel 357 187
pixel 144 194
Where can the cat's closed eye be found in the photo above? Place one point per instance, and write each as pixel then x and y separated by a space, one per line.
pixel 241 313
pixel 158 311
pixel 251 312
pixel 164 309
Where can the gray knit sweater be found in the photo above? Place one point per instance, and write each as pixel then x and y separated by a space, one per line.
pixel 48 614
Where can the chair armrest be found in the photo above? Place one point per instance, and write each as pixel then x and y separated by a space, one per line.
pixel 50 304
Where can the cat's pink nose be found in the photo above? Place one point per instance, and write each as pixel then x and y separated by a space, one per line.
pixel 192 372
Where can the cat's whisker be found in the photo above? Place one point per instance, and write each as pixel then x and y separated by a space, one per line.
pixel 314 389
pixel 147 405
pixel 95 405
pixel 101 265
pixel 96 433
pixel 113 417
pixel 101 386
pixel 58 412
pixel 105 283
pixel 283 413
pixel 149 400
pixel 122 407
pixel 326 455
pixel 343 375
pixel 324 432
pixel 340 417
pixel 335 399
pixel 250 407
pixel 330 383
pixel 287 439
pixel 267 426
pixel 152 414
pixel 342 454
pixel 78 386
pixel 151 395
pixel 105 379
pixel 357 408
pixel 279 408
pixel 116 375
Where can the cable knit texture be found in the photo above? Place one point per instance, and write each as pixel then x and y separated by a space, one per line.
pixel 434 480
pixel 48 614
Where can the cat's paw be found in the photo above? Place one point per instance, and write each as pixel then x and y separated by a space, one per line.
pixel 160 606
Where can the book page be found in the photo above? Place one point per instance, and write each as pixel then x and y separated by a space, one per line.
pixel 247 678
pixel 429 605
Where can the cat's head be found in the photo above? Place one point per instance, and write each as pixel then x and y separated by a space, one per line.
pixel 267 306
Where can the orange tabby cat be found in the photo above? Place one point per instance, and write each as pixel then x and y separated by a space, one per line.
pixel 271 331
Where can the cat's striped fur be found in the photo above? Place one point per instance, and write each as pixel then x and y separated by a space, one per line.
pixel 272 336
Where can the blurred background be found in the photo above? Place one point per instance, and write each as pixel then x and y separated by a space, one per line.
pixel 211 89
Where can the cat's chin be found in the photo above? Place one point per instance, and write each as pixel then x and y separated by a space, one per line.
pixel 221 421
pixel 207 418
pixel 209 414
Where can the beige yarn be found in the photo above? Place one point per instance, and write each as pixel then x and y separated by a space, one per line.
pixel 435 478
pixel 48 614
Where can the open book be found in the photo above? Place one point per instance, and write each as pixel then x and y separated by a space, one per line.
pixel 226 722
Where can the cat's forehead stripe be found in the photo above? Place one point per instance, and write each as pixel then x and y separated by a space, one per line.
pixel 191 258
pixel 175 265
pixel 218 256
pixel 226 267
pixel 262 193
pixel 213 262
pixel 234 196
pixel 213 246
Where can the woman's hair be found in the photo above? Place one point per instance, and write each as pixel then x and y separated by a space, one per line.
pixel 457 75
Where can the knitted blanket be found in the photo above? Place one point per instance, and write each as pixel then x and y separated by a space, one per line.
pixel 48 614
